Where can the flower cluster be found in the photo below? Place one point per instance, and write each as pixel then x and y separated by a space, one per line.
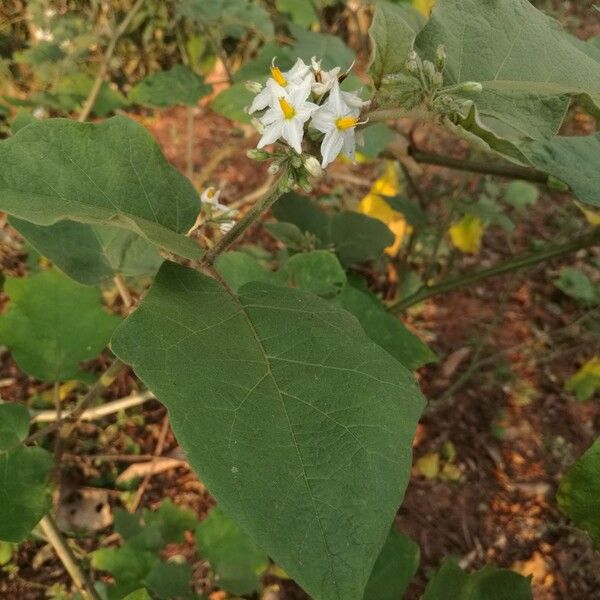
pixel 213 212
pixel 307 98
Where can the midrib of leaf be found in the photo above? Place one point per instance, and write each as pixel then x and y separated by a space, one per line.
pixel 269 374
pixel 512 47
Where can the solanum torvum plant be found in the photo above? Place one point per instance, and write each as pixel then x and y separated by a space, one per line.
pixel 291 392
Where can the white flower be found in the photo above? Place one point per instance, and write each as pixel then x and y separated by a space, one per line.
pixel 226 226
pixel 295 76
pixel 337 120
pixel 287 115
pixel 211 196
pixel 324 80
pixel 353 100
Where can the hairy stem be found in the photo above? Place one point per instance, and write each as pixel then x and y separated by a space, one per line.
pixel 88 105
pixel 501 170
pixel 57 541
pixel 240 227
pixel 513 264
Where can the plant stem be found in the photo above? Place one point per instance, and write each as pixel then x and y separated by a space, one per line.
pixel 123 290
pixel 513 264
pixel 88 105
pixel 57 541
pixel 501 170
pixel 75 415
pixel 240 227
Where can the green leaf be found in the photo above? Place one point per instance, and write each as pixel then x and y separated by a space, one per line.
pixel 301 12
pixel 128 564
pixel 238 268
pixel 355 237
pixel 111 173
pixel 521 99
pixel 330 49
pixel 53 324
pixel 25 473
pixel 284 375
pixel 385 329
pixel 234 558
pixel 141 594
pixel 76 87
pixel 521 194
pixel 14 424
pixel 91 254
pixel 231 102
pixel 490 583
pixel 376 138
pixel 577 284
pixel 392 38
pixel 318 272
pixel 169 580
pixel 171 521
pixel 579 492
pixel 178 85
pixel 573 160
pixel 395 567
pixel 288 234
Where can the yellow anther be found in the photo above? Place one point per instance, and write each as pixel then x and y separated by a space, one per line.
pixel 346 123
pixel 210 192
pixel 286 108
pixel 278 76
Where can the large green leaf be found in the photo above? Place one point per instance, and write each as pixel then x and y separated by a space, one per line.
pixel 234 558
pixel 90 253
pixel 53 324
pixel 579 492
pixel 490 583
pixel 178 85
pixel 112 173
pixel 329 49
pixel 24 491
pixel 318 272
pixel 354 236
pixel 385 329
pixel 573 160
pixel 528 66
pixel 395 567
pixel 392 38
pixel 279 388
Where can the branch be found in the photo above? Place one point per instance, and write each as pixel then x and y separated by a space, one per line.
pixel 57 541
pixel 514 264
pixel 108 54
pixel 501 170
pixel 76 414
pixel 240 227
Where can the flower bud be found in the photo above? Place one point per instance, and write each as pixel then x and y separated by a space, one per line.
pixel 311 164
pixel 273 168
pixel 412 67
pixel 428 69
pixel 471 86
pixel 412 55
pixel 440 57
pixel 438 80
pixel 253 86
pixel 296 161
pixel 256 154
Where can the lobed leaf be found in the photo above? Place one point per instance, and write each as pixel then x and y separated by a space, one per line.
pixel 53 324
pixel 112 173
pixel 308 403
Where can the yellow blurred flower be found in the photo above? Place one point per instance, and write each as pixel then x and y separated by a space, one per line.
pixel 373 205
pixel 466 234
pixel 424 6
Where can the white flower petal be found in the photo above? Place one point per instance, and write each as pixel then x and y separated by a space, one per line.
pixel 331 146
pixel 293 131
pixel 349 143
pixel 272 134
pixel 261 100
